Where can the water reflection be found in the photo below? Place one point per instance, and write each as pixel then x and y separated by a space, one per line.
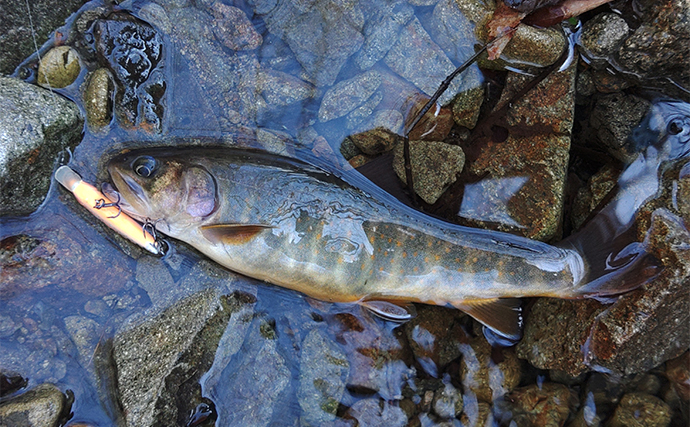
pixel 76 298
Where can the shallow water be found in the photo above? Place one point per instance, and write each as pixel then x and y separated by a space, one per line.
pixel 74 284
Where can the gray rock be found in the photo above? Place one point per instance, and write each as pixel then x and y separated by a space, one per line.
pixel 323 370
pixel 435 166
pixel 348 95
pixel 613 119
pixel 602 35
pixel 374 413
pixel 322 34
pixel 42 406
pixel 660 46
pixel 20 25
pixel 447 401
pixel 281 89
pixel 414 47
pixel 36 125
pixel 166 354
pixel 233 29
pixel 453 31
pixel 383 25
pixel 85 334
pixel 248 390
pixel 359 119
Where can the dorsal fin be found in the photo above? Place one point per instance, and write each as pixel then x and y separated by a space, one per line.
pixel 232 234
pixel 389 311
pixel 503 316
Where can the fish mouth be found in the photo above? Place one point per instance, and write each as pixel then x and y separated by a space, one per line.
pixel 116 197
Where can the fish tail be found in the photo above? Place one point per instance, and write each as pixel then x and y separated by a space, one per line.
pixel 614 266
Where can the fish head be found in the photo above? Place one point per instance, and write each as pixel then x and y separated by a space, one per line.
pixel 665 131
pixel 169 190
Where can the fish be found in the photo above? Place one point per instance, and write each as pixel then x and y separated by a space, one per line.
pixel 335 236
pixel 609 238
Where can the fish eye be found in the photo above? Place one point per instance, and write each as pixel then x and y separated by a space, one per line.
pixel 145 166
pixel 675 127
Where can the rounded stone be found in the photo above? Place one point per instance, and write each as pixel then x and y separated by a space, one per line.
pixel 59 67
pixel 98 99
pixel 602 35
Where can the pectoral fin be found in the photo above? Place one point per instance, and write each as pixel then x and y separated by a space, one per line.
pixel 232 234
pixel 502 316
pixel 389 311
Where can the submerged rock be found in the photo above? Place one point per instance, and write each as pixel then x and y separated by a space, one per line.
pixel 377 413
pixel 232 28
pixel 484 378
pixel 435 166
pixel 37 125
pixel 248 391
pixel 660 46
pixel 323 370
pixel 159 361
pixel 640 410
pixel 543 405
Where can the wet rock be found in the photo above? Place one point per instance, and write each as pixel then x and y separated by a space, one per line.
pixel 37 125
pixel 85 334
pixel 375 357
pixel 21 29
pixel 435 125
pixel 613 119
pixel 233 29
pixel 281 89
pixel 482 376
pixel 133 51
pixel 10 382
pixel 160 360
pixel 361 119
pixel 447 402
pixel 248 390
pixel 383 24
pixel 614 337
pixel 542 405
pixel 323 370
pixel 434 336
pixel 535 46
pixel 98 99
pixel 588 197
pixel 230 94
pixel 466 107
pixel 453 31
pixel 374 141
pixel 527 6
pixel 348 95
pixel 678 373
pixel 523 172
pixel 602 35
pixel 377 413
pixel 660 46
pixel 435 166
pixel 42 406
pixel 413 47
pixel 476 414
pixel 59 67
pixel 640 409
pixel 322 34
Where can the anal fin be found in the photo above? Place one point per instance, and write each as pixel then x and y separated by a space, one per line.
pixel 503 316
pixel 232 234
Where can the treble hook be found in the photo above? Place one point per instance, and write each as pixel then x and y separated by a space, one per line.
pixel 150 226
pixel 100 203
